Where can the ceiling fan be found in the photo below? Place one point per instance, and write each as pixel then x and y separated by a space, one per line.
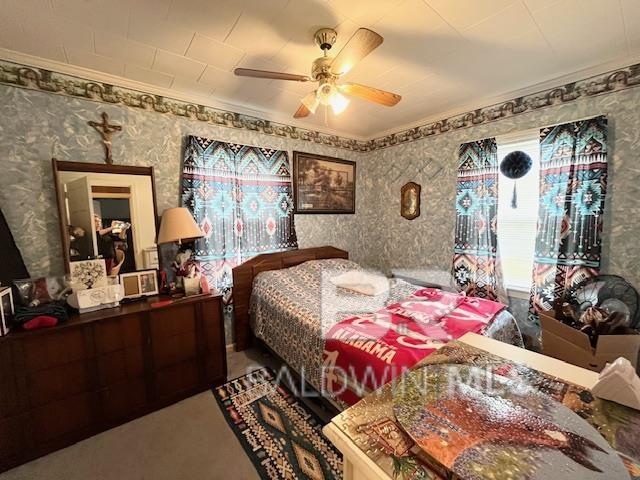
pixel 327 70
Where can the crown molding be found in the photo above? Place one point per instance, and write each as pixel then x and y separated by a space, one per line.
pixel 34 73
pixel 604 83
pixel 23 71
pixel 539 87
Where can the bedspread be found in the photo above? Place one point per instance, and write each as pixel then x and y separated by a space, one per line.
pixel 292 309
pixel 365 352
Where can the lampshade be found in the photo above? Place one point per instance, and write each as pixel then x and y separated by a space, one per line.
pixel 177 225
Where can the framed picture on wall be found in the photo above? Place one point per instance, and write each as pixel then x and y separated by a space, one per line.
pixel 323 184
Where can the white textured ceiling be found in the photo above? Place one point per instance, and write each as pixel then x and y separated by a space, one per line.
pixel 440 55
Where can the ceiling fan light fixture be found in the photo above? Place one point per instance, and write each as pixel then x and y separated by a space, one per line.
pixel 326 71
pixel 338 103
pixel 311 102
pixel 325 92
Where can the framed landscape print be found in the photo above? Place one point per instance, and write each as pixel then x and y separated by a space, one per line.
pixel 323 184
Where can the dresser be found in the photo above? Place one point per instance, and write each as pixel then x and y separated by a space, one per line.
pixel 358 465
pixel 101 369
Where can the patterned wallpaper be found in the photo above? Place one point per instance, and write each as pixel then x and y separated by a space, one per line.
pixel 428 240
pixel 36 126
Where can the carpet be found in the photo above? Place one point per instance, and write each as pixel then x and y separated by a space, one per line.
pixel 280 435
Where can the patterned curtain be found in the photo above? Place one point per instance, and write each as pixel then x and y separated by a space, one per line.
pixel 573 180
pixel 241 197
pixel 476 266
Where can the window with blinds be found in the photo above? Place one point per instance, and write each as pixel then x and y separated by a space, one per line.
pixel 517 226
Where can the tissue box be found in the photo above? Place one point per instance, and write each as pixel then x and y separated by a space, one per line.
pixel 573 346
pixel 97 298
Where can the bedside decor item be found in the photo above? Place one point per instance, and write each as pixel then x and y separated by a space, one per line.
pixel 515 165
pixel 323 184
pixel 143 283
pixel 6 310
pixel 106 131
pixel 410 200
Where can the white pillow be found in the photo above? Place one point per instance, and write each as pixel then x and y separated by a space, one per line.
pixel 362 282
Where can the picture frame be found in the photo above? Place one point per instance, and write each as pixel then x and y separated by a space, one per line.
pixel 410 200
pixel 85 274
pixel 323 184
pixel 7 310
pixel 142 283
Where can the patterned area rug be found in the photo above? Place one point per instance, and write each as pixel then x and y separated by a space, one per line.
pixel 278 432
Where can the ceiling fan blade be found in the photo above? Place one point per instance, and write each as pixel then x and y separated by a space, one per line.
pixel 361 44
pixel 309 104
pixel 248 72
pixel 370 94
pixel 302 112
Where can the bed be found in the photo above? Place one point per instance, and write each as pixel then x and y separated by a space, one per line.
pixel 277 299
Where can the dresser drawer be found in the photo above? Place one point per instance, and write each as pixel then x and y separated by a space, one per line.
pixel 122 400
pixel 176 320
pixel 47 350
pixel 14 438
pixel 45 386
pixel 65 417
pixel 173 381
pixel 121 365
pixel 118 333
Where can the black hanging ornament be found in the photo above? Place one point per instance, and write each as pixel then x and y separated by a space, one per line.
pixel 515 165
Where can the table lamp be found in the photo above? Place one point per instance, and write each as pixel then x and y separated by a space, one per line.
pixel 178 225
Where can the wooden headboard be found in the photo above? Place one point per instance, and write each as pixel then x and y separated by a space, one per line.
pixel 244 274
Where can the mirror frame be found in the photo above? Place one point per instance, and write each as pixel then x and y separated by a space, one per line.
pixel 64 166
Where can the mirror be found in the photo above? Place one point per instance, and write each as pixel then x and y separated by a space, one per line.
pixel 107 211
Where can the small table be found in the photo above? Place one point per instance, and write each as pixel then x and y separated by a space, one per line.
pixel 359 466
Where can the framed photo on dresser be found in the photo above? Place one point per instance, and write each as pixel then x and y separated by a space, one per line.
pixel 142 283
pixel 323 184
pixel 6 309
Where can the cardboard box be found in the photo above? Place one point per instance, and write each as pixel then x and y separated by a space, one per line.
pixel 573 346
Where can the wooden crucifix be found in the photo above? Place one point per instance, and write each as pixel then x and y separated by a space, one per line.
pixel 106 131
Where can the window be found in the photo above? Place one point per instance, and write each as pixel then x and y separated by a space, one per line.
pixel 517 226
